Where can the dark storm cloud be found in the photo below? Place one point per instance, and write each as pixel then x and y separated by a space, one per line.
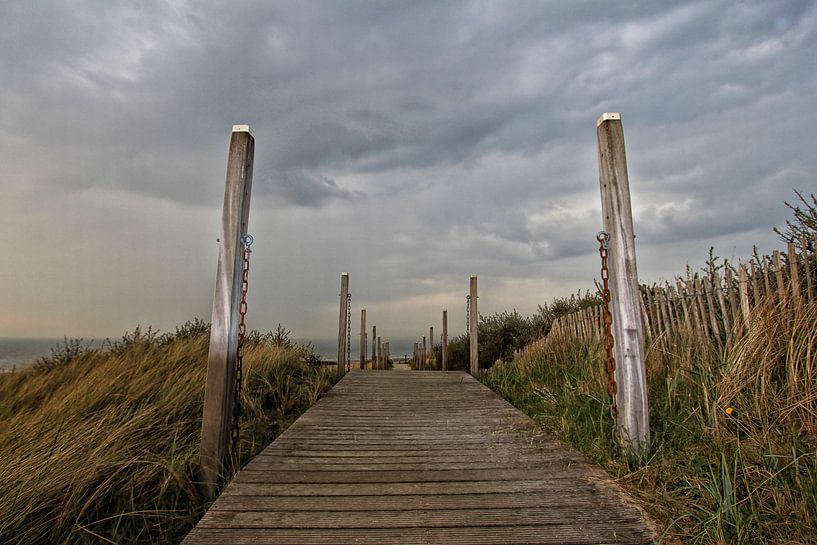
pixel 462 131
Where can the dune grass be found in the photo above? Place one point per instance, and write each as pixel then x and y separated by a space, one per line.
pixel 733 456
pixel 101 446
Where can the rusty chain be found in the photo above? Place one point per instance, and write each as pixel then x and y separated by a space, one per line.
pixel 612 388
pixel 348 332
pixel 235 432
pixel 468 314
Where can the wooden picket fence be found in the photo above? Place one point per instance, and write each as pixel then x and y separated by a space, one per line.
pixel 708 304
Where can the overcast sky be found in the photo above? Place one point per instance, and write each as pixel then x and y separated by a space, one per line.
pixel 409 143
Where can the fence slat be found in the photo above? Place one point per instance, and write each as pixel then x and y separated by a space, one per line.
pixel 794 273
pixel 778 274
pixel 807 269
pixel 743 286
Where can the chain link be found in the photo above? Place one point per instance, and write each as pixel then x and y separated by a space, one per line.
pixel 612 388
pixel 348 332
pixel 235 432
pixel 468 314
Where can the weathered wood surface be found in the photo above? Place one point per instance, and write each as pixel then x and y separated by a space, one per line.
pixel 418 457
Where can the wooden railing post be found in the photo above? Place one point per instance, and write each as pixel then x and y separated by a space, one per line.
pixel 474 328
pixel 221 358
pixel 387 354
pixel 374 347
pixel 379 354
pixel 342 321
pixel 633 410
pixel 445 340
pixel 432 359
pixel 362 338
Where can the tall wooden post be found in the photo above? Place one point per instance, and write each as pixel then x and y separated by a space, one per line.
pixel 416 356
pixel 363 338
pixel 342 321
pixel 221 359
pixel 386 354
pixel 445 340
pixel 474 328
pixel 379 354
pixel 633 420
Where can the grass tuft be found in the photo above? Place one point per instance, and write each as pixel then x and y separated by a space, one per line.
pixel 101 446
pixel 733 454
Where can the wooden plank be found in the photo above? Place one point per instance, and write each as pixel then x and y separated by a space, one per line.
pixel 426 457
pixel 713 315
pixel 568 534
pixel 222 354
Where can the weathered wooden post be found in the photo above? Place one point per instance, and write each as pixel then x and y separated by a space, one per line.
pixel 432 359
pixel 342 321
pixel 416 350
pixel 632 419
pixel 374 347
pixel 379 354
pixel 362 338
pixel 387 354
pixel 219 392
pixel 445 340
pixel 473 326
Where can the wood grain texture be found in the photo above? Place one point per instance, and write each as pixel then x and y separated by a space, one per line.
pixel 221 357
pixel 473 327
pixel 633 410
pixel 419 457
pixel 342 322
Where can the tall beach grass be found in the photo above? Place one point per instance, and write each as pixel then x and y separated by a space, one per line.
pixel 101 446
pixel 733 457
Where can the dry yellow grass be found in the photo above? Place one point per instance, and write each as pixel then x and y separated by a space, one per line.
pixel 101 446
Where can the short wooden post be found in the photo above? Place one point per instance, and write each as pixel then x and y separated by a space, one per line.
pixel 474 327
pixel 743 288
pixel 374 347
pixel 699 297
pixel 363 338
pixel 778 274
pixel 795 275
pixel 445 340
pixel 432 357
pixel 221 358
pixel 633 408
pixel 342 320
pixel 425 354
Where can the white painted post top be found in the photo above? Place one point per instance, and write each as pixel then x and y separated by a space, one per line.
pixel 473 276
pixel 242 128
pixel 607 116
pixel 344 274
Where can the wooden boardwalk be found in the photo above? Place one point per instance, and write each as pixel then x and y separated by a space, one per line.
pixel 394 457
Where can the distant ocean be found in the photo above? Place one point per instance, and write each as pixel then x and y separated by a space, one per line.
pixel 21 352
